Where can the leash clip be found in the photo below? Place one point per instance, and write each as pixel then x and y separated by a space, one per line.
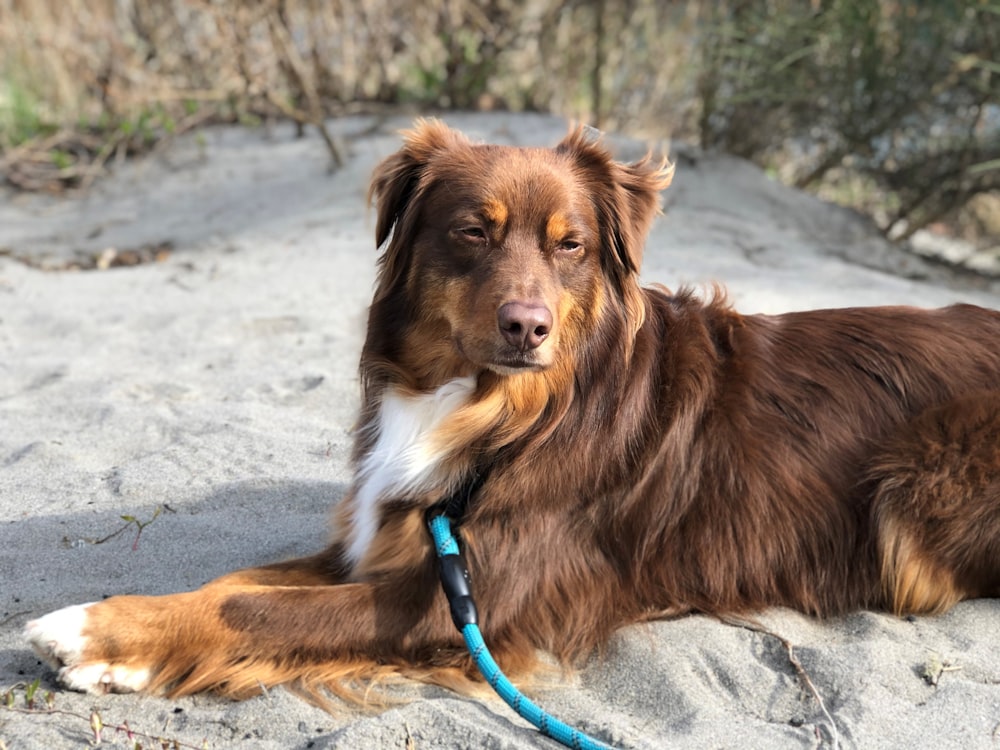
pixel 455 578
pixel 457 586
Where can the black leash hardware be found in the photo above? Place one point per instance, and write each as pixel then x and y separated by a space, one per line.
pixel 457 503
pixel 457 585
pixel 455 578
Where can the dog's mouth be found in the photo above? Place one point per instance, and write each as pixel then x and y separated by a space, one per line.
pixel 515 365
pixel 504 358
pixel 499 359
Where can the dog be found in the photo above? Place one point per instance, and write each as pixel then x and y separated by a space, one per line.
pixel 621 453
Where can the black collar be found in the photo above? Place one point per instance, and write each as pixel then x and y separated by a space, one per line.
pixel 457 503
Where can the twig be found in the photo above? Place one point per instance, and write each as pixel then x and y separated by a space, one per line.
pixel 756 627
pixel 295 65
pixel 130 521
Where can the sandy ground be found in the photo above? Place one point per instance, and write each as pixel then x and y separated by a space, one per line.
pixel 219 385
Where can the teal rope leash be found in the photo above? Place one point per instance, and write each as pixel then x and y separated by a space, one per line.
pixel 456 583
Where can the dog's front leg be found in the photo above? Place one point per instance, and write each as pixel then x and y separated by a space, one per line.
pixel 322 569
pixel 235 639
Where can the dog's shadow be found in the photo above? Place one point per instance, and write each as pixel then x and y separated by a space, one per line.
pixel 51 561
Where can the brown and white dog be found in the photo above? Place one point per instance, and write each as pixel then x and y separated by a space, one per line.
pixel 639 454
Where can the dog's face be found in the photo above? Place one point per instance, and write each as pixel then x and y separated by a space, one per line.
pixel 501 258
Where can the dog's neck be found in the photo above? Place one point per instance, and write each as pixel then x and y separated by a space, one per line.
pixel 416 448
pixel 405 458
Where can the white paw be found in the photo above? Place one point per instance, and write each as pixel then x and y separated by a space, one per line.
pixel 99 678
pixel 58 636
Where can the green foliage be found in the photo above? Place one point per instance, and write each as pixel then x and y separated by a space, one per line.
pixel 29 694
pixel 20 116
pixel 906 93
pixel 61 159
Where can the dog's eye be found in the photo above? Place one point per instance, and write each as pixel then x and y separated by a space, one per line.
pixel 474 233
pixel 569 247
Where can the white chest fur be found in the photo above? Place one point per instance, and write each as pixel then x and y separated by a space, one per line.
pixel 403 460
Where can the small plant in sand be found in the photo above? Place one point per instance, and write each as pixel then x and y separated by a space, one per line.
pixel 130 522
pixel 25 698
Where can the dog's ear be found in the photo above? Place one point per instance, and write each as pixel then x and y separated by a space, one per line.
pixel 626 196
pixel 396 179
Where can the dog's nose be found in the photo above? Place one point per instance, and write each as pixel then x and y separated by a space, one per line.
pixel 524 325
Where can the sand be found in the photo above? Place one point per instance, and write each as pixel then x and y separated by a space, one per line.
pixel 209 397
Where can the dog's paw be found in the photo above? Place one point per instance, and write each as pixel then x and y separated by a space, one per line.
pixel 58 636
pixel 98 678
pixel 59 639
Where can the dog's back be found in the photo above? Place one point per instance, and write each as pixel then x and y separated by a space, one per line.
pixel 768 469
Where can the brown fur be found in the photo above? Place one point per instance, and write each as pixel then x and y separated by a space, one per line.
pixel 655 454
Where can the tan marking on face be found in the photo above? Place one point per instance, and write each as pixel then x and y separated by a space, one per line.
pixel 557 228
pixel 496 212
pixel 572 318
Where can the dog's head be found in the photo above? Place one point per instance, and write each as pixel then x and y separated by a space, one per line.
pixel 502 259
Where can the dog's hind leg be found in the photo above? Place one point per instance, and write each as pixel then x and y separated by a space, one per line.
pixel 936 506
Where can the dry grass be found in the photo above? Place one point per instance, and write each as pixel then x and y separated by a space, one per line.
pixel 88 79
pixel 898 94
